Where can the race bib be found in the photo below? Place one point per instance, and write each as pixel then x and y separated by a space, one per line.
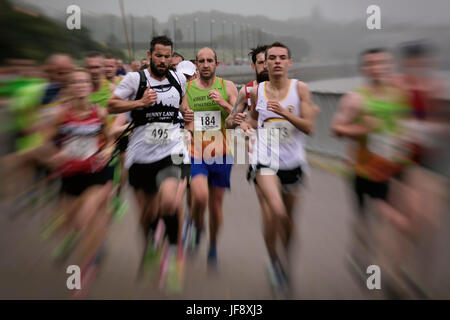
pixel 282 128
pixel 161 133
pixel 387 146
pixel 207 120
pixel 81 147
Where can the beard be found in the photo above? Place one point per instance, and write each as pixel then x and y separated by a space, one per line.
pixel 156 71
pixel 208 77
pixel 261 77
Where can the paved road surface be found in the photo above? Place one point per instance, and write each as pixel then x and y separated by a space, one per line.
pixel 319 269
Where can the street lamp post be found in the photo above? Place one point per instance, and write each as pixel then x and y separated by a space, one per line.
pixel 188 32
pixel 234 44
pixel 246 33
pixel 242 41
pixel 174 31
pixel 223 33
pixel 195 35
pixel 211 33
pixel 153 27
pixel 132 35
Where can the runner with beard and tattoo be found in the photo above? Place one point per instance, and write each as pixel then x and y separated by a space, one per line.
pixel 238 115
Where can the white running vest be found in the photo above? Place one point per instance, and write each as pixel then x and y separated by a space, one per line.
pixel 280 144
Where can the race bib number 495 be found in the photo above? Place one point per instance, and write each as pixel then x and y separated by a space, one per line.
pixel 160 133
pixel 207 120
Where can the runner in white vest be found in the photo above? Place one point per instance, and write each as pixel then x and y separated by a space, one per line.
pixel 283 114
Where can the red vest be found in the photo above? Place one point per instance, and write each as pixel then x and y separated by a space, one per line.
pixel 81 140
pixel 248 89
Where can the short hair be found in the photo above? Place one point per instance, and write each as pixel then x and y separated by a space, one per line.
pixel 277 45
pixel 176 54
pixel 215 54
pixel 163 40
pixel 57 56
pixel 370 51
pixel 415 49
pixel 109 56
pixel 94 54
pixel 255 51
pixel 80 70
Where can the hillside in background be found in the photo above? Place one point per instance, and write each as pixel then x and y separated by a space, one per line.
pixel 27 34
pixel 313 38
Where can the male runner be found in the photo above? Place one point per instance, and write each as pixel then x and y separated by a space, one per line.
pixel 243 101
pixel 121 71
pixel 283 114
pixel 176 59
pixel 109 66
pixel 94 64
pixel 211 98
pixel 369 117
pixel 152 100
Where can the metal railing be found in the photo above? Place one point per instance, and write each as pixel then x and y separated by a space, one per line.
pixel 322 141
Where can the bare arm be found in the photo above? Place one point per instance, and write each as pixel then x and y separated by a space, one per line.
pixel 188 114
pixel 304 123
pixel 232 95
pixel 117 105
pixel 239 107
pixel 105 130
pixel 344 121
pixel 252 121
pixel 119 125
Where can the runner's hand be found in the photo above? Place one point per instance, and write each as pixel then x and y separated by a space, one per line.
pixel 372 122
pixel 149 97
pixel 247 128
pixel 58 159
pixel 275 106
pixel 188 115
pixel 105 155
pixel 215 96
pixel 240 117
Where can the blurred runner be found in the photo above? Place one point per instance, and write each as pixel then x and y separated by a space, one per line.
pixel 110 71
pixel 84 150
pixel 372 117
pixel 31 107
pixel 120 68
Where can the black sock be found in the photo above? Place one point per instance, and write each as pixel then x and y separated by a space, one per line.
pixel 172 228
pixel 152 226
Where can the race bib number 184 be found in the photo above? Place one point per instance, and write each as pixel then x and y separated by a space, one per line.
pixel 207 120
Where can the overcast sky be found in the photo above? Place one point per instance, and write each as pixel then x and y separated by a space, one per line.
pixel 417 11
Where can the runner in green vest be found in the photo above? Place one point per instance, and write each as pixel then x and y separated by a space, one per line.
pixel 211 98
pixel 100 68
